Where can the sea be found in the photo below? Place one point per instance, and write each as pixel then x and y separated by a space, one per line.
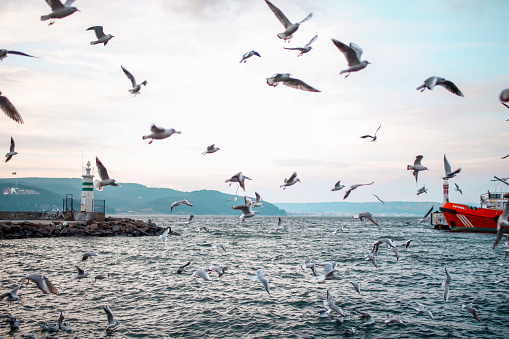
pixel 149 300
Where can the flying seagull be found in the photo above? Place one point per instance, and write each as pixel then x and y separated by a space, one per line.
pixel 87 255
pixel 472 308
pixel 136 87
pixel 180 202
pixel 59 10
pixel 353 55
pixel 111 322
pixel 416 167
pixel 103 174
pixel 425 217
pixel 458 189
pixel 11 153
pixel 101 37
pixel 431 82
pixel 240 178
pixel 502 223
pixel 347 193
pixel 211 149
pixel 260 275
pixel 81 274
pixel 304 49
pixel 259 201
pixel 448 172
pixel 183 268
pixel 160 133
pixel 11 296
pixel 337 186
pixel 289 27
pixel 43 283
pixel 246 209
pixel 367 215
pixel 373 137
pixel 376 196
pixel 290 181
pixel 284 78
pixel 249 54
pixel 164 235
pixel 447 285
pixel 4 52
pixel 9 109
pixel 422 190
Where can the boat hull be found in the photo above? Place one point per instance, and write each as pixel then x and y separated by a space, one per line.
pixel 463 218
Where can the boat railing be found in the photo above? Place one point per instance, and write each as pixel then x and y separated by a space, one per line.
pixel 494 200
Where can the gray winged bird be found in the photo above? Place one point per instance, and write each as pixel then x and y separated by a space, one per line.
pixel 458 189
pixel 416 167
pixel 4 52
pixel 502 223
pixel 249 54
pixel 448 172
pixel 285 78
pixel 246 209
pixel 472 308
pixel 101 37
pixel 11 153
pixel 103 174
pixel 290 28
pixel 9 109
pixel 292 180
pixel 353 55
pixel 304 49
pixel 347 193
pixel 337 186
pixel 431 82
pixel 373 137
pixel 447 285
pixel 180 202
pixel 211 149
pixel 240 178
pixel 111 321
pixel 43 283
pixel 425 217
pixel 11 296
pixel 59 10
pixel 136 87
pixel 159 133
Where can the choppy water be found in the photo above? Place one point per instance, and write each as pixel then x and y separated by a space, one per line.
pixel 151 301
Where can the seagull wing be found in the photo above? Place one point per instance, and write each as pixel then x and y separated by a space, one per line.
pixel 347 193
pixel 418 159
pixel 12 145
pixel 367 136
pixel 99 32
pixel 282 18
pixel 20 53
pixel 451 87
pixel 310 15
pixel 506 105
pixel 429 212
pixel 299 84
pixel 242 208
pixel 376 196
pixel 349 52
pixel 156 129
pixel 293 176
pixel 357 49
pixel 109 314
pixel 54 4
pixel 311 41
pixel 9 109
pixel 377 130
pixel 258 198
pixel 447 166
pixel 69 2
pixel 502 222
pixel 103 173
pixel 129 76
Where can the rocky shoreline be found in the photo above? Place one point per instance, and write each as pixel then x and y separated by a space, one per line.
pixel 107 228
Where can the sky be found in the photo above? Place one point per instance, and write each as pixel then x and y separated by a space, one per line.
pixel 75 102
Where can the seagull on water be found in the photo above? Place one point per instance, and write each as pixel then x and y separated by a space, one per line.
pixel 422 190
pixel 448 172
pixel 180 202
pixel 4 52
pixel 9 109
pixel 81 274
pixel 43 283
pixel 447 285
pixel 240 178
pixel 502 223
pixel 11 296
pixel 249 54
pixel 290 28
pixel 159 133
pixel 285 78
pixel 347 193
pixel 290 181
pixel 11 152
pixel 472 308
pixel 337 186
pixel 353 54
pixel 417 167
pixel 304 49
pixel 211 149
pixel 111 322
pixel 421 309
pixel 373 137
pixel 457 188
pixel 87 255
pixel 431 82
pixel 277 257
pixel 246 209
pixel 260 275
pixel 103 174
pixel 101 37
pixel 425 217
pixel 183 268
pixel 136 87
pixel 59 10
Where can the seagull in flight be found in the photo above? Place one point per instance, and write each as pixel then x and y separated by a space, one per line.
pixel 431 82
pixel 422 190
pixel 258 201
pixel 246 209
pixel 249 54
pixel 101 37
pixel 43 283
pixel 347 193
pixel 373 137
pixel 260 275
pixel 164 235
pixel 159 133
pixel 285 78
pixel 11 296
pixel 502 223
pixel 180 202
pixel 304 49
pixel 103 174
pixel 425 217
pixel 240 178
pixel 11 153
pixel 367 215
pixel 136 87
pixel 4 52
pixel 448 172
pixel 111 321
pixel 9 109
pixel 457 188
pixel 353 55
pixel 290 181
pixel 337 186
pixel 59 10
pixel 447 285
pixel 376 196
pixel 211 149
pixel 472 308
pixel 417 167
pixel 290 28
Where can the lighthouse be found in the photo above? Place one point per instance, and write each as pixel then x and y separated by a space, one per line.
pixel 87 190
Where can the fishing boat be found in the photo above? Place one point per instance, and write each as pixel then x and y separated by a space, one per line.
pixel 465 218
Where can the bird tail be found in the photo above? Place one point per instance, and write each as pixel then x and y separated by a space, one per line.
pixel 343 72
pixel 45 17
pixel 421 87
pixel 97 185
pixel 409 167
pixel 93 42
pixel 145 137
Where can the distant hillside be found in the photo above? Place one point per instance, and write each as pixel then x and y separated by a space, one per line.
pixel 119 200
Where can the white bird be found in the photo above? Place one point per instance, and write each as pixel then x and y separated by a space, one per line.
pixel 136 87
pixel 211 149
pixel 258 200
pixel 447 285
pixel 390 244
pixel 330 305
pixel 183 268
pixel 422 190
pixel 457 188
pixel 11 152
pixel 393 319
pixel 285 78
pixel 81 274
pixel 261 277
pixel 9 109
pixel 111 322
pixel 368 317
pixel 277 257
pixel 59 10
pixel 221 246
pixel 309 263
pixel 376 196
pixel 11 296
pixel 101 37
pixel 367 215
pixel 87 255
pixel 289 27
pixel 189 220
pixel 448 172
pixel 353 54
pixel 373 137
pixel 159 133
pixel 502 223
pixel 101 276
pixel 371 257
pixel 329 271
pixel 347 193
pixel 472 308
pixel 246 209
pixel 279 226
pixel 356 285
pixel 407 243
pixel 202 273
pixel 417 167
pixel 421 309
pixel 164 236
pixel 240 178
pixel 304 49
pixel 43 283
pixel 103 174
pixel 249 54
pixel 425 217
pixel 337 186
pixel 431 82
pixel 290 181
pixel 4 52
pixel 180 202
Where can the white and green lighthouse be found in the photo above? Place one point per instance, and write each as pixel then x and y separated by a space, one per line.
pixel 87 190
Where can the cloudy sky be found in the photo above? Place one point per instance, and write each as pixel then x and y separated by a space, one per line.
pixel 75 102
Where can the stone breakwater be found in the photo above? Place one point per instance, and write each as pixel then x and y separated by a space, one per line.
pixel 109 227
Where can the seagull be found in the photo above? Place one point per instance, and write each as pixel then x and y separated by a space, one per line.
pixel 61 319
pixel 279 226
pixel 183 268
pixel 330 305
pixel 407 243
pixel 246 209
pixel 367 215
pixel 353 55
pixel 393 319
pixel 309 263
pixel 472 308
pixel 337 186
pixel 189 220
pixel 422 190
pixel 258 201
pixel 505 156
pixel 289 27
pixel 9 109
pixel 502 223
pixel 421 309
pixel 304 49
pixel 221 246
pixel 103 174
pixel 101 37
pixel 425 217
pixel 240 178
pixel 136 87
pixel 43 283
pixel 218 269
pixel 59 10
pixel 202 273
pixel 4 52
pixel 111 322
pixel 431 82
pixel 87 255
pixel 347 193
pixel 367 316
pixel 448 173
pixel 11 296
pixel 81 274
pixel 372 258
pixel 285 78
pixel 499 280
pixel 329 272
pixel 447 285
pixel 373 137
pixel 416 167
pixel 458 189
pixel 159 133
pixel 101 276
pixel 390 244
pixel 11 153
pixel 290 181
pixel 211 149
pixel 277 257
pixel 376 196
pixel 261 276
pixel 164 236
pixel 504 96
pixel 249 54
pixel 356 285
pixel 180 202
